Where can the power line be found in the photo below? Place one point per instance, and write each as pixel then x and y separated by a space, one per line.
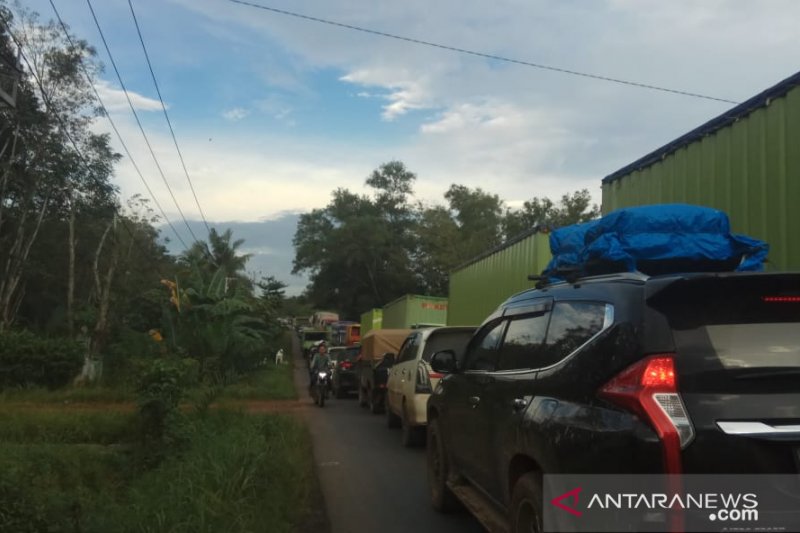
pixel 114 127
pixel 484 55
pixel 166 116
pixel 138 122
pixel 51 109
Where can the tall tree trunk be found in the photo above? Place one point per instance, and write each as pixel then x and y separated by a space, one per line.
pixel 7 170
pixel 71 272
pixel 15 266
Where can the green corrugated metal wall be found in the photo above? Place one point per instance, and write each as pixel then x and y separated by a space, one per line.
pixel 411 309
pixel 750 170
pixel 478 288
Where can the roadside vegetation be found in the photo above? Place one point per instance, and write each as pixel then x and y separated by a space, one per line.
pixel 217 471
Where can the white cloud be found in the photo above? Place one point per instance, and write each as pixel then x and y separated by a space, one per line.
pixel 403 93
pixel 114 99
pixel 276 107
pixel 235 114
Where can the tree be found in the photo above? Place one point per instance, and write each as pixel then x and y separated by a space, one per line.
pixel 221 252
pixel 49 159
pixel 449 236
pixel 358 249
pixel 543 213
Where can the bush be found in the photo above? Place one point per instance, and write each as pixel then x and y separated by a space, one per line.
pixel 26 359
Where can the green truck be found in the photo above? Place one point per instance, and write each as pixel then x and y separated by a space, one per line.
pixel 415 311
pixel 311 336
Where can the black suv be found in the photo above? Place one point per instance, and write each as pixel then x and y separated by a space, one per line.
pixel 624 373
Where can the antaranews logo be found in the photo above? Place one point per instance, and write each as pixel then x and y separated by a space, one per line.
pixel 724 507
pixel 558 501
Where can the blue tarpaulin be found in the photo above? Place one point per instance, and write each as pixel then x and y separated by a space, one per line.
pixel 654 239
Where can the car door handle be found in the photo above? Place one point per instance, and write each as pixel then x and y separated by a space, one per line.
pixel 474 401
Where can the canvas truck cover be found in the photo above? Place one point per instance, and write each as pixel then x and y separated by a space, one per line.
pixel 380 341
pixel 655 239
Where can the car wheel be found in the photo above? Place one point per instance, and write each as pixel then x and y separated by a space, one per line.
pixel 525 512
pixel 362 400
pixel 409 436
pixel 392 420
pixel 442 499
pixel 375 406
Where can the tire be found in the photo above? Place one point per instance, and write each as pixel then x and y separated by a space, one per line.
pixel 321 394
pixel 375 407
pixel 362 400
pixel 438 467
pixel 392 420
pixel 409 435
pixel 525 512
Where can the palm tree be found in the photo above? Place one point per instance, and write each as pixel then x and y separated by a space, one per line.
pixel 219 253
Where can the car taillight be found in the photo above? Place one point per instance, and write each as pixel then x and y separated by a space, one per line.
pixel 781 299
pixel 649 388
pixel 424 376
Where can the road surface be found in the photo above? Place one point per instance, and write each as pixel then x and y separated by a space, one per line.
pixel 370 483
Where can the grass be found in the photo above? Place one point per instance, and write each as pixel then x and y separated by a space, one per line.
pixel 51 425
pixel 78 471
pixel 95 394
pixel 270 382
pixel 267 383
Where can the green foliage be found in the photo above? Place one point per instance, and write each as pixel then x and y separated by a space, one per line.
pixel 26 359
pixel 67 395
pixel 160 389
pixel 544 213
pixel 217 325
pixel 268 383
pixel 45 424
pixel 362 251
pixel 48 487
pixel 239 474
pixel 358 248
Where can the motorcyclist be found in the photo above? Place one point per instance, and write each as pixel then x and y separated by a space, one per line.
pixel 320 362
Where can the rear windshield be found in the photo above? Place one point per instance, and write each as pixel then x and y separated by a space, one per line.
pixel 447 340
pixel 737 327
pixel 349 354
pixel 315 336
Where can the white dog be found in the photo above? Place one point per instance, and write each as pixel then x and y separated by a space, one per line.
pixel 279 357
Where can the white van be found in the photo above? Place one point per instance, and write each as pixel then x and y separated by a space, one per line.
pixel 411 379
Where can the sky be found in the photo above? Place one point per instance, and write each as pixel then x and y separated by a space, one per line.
pixel 272 113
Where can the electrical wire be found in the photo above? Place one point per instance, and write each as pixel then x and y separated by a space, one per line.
pixel 484 55
pixel 52 110
pixel 166 116
pixel 138 122
pixel 116 131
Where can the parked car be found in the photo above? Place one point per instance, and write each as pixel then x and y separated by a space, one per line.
pixel 618 374
pixel 344 369
pixel 411 379
pixel 378 350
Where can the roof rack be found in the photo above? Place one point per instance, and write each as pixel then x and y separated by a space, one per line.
pixel 572 276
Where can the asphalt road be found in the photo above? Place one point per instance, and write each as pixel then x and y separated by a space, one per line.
pixel 370 483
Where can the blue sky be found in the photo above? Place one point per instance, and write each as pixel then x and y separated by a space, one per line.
pixel 273 113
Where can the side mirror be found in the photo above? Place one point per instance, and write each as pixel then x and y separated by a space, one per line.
pixel 388 359
pixel 444 362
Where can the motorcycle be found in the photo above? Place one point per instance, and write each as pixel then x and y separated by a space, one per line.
pixel 321 387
